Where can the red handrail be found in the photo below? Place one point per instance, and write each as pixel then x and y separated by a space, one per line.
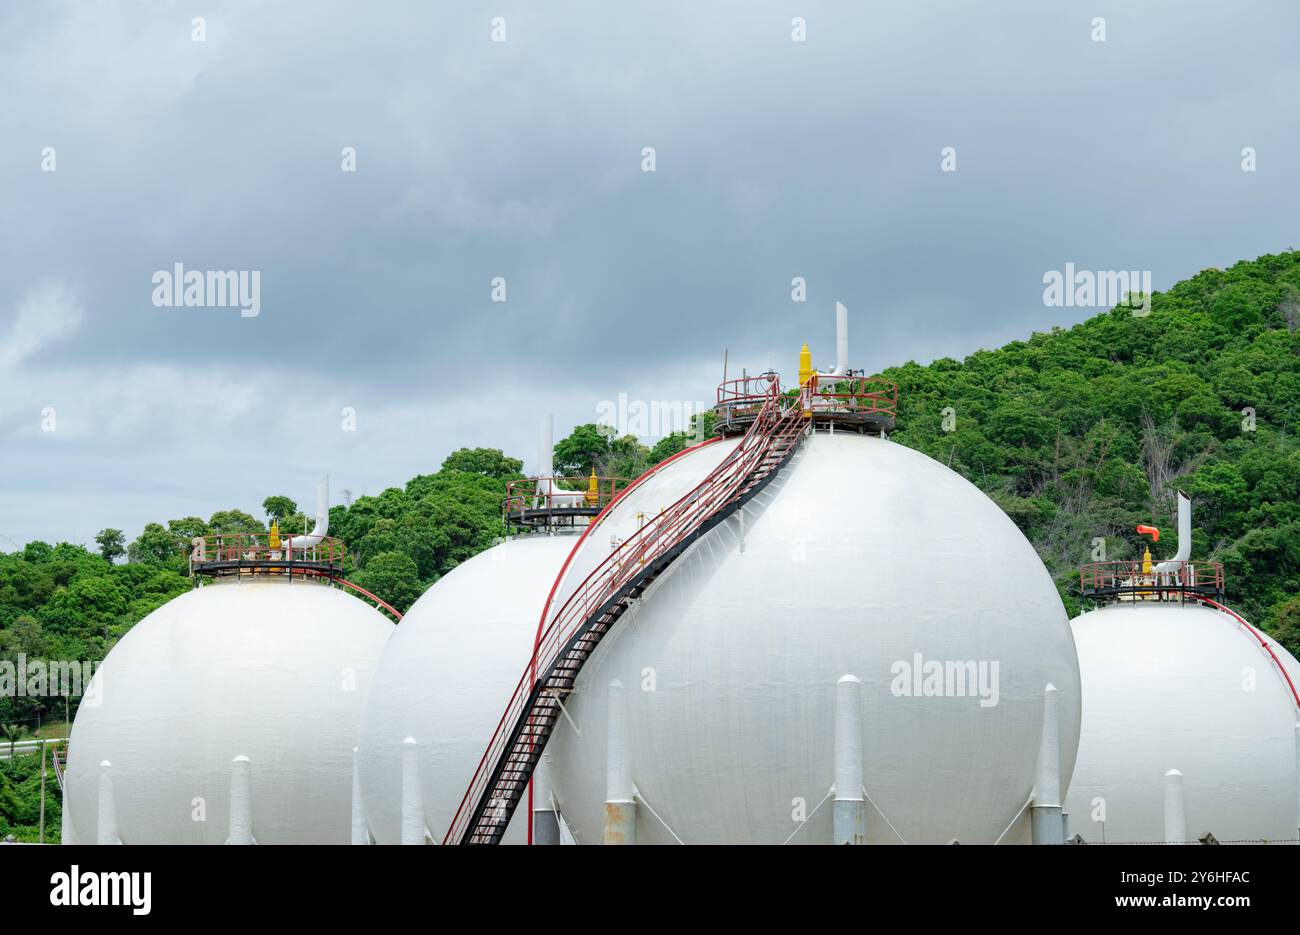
pixel 360 590
pixel 854 395
pixel 1295 697
pixel 745 389
pixel 773 426
pixel 1130 576
pixel 522 494
pixel 257 547
pixel 555 585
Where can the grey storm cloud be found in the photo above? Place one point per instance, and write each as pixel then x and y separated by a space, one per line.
pixel 523 159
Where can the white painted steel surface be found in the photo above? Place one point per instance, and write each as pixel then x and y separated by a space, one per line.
pixel 1181 687
pixel 271 670
pixel 860 555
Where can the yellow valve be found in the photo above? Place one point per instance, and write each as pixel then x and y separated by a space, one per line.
pixel 805 365
pixel 1146 561
pixel 593 489
pixel 275 535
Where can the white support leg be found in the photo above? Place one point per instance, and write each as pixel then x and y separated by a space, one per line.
pixel 848 821
pixel 546 820
pixel 1175 809
pixel 620 793
pixel 412 806
pixel 241 801
pixel 106 820
pixel 359 833
pixel 66 833
pixel 1297 780
pixel 1045 807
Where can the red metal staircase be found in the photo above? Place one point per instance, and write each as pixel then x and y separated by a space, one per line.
pixel 597 604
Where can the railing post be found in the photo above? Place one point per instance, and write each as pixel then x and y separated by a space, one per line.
pixel 41 832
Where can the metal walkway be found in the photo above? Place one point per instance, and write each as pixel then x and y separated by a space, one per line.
pixel 574 632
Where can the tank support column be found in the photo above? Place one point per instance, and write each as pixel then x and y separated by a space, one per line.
pixel 1175 809
pixel 620 793
pixel 848 821
pixel 241 801
pixel 1297 780
pixel 66 833
pixel 1045 807
pixel 106 820
pixel 412 806
pixel 360 835
pixel 546 820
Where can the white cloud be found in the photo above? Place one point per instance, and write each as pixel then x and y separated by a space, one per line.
pixel 45 314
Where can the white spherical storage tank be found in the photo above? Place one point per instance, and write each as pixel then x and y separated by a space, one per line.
pixel 861 558
pixel 271 670
pixel 1185 687
pixel 443 680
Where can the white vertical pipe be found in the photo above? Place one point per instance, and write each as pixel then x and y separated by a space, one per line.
pixel 1297 780
pixel 841 339
pixel 241 801
pixel 66 834
pixel 546 820
pixel 545 460
pixel 848 821
pixel 620 792
pixel 1045 808
pixel 412 806
pixel 546 447
pixel 106 820
pixel 41 831
pixel 359 832
pixel 1175 809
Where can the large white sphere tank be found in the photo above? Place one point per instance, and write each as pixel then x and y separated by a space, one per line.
pixel 1186 687
pixel 446 676
pixel 866 558
pixel 272 670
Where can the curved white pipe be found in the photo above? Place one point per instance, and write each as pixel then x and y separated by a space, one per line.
pixel 322 519
pixel 841 339
pixel 548 494
pixel 1184 537
pixel 546 447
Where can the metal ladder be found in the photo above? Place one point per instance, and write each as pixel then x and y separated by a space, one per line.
pixel 574 632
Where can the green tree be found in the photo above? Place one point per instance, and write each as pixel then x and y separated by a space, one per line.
pixel 490 462
pixel 230 522
pixel 155 545
pixel 112 543
pixel 13 732
pixel 279 508
pixel 393 577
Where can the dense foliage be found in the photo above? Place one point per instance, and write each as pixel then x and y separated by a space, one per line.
pixel 1081 434
pixel 1078 434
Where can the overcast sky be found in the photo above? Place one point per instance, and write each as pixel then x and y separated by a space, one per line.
pixel 523 159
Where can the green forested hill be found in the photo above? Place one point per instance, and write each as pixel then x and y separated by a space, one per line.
pixel 1083 433
pixel 1079 434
